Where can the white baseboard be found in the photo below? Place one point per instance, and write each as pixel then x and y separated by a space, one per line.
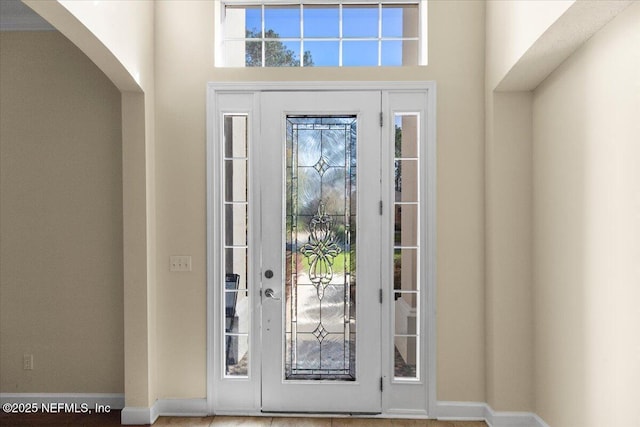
pixel 112 400
pixel 463 411
pixel 166 408
pixel 460 411
pixel 133 415
pixel 540 422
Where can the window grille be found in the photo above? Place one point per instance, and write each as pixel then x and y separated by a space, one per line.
pixel 323 34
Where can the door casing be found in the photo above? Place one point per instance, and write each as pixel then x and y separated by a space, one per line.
pixel 245 96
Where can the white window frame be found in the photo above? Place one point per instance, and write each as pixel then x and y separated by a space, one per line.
pixel 219 19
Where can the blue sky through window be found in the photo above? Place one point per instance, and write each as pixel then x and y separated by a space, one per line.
pixel 322 21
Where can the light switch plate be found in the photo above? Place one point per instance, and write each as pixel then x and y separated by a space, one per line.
pixel 27 362
pixel 180 263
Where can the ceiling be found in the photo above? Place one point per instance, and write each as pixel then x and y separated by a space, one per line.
pixel 16 16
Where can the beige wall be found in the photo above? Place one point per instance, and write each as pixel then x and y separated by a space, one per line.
pixel 512 28
pixel 126 29
pixel 184 64
pixel 133 35
pixel 118 36
pixel 535 305
pixel 509 316
pixel 586 227
pixel 526 40
pixel 61 280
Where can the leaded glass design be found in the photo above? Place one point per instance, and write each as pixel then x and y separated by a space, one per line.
pixel 320 248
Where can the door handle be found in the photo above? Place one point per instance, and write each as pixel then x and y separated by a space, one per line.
pixel 269 293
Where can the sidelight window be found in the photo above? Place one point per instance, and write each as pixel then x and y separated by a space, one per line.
pixel 406 247
pixel 236 247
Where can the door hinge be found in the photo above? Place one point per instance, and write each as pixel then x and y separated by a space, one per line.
pixel 380 207
pixel 381 386
pixel 380 294
pixel 381 121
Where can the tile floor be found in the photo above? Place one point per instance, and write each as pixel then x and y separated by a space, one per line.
pixel 221 421
pixel 113 420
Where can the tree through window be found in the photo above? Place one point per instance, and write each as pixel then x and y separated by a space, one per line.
pixel 276 53
pixel 331 34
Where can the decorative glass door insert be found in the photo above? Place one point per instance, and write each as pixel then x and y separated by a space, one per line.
pixel 296 181
pixel 320 250
pixel 312 346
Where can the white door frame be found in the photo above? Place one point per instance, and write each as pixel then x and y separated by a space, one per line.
pixel 248 91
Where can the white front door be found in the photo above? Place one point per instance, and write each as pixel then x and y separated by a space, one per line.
pixel 320 248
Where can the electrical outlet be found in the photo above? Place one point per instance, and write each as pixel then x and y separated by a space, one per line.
pixel 180 263
pixel 27 362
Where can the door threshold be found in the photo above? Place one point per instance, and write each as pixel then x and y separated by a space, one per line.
pixel 321 414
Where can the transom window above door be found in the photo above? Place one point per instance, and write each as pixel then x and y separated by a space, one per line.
pixel 327 33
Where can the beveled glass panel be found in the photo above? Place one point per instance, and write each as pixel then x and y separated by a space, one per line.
pixel 360 53
pixel 400 20
pixel 334 141
pixel 278 21
pixel 236 355
pixel 308 310
pixel 320 248
pixel 351 182
pixel 309 185
pixel 235 224
pixel 406 180
pixel 406 356
pixel 311 143
pixel 332 191
pixel 360 21
pixel 321 21
pixel 290 353
pixel 307 352
pixel 405 269
pixel 406 135
pixel 235 136
pixel 332 353
pixel 406 225
pixel 333 309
